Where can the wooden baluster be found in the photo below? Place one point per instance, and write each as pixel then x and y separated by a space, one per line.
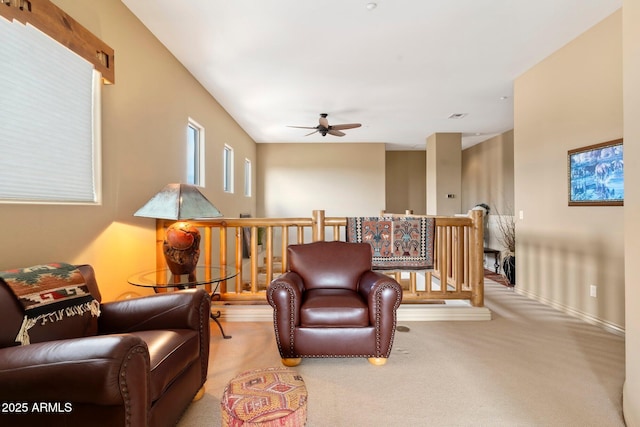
pixel 285 244
pixel 318 226
pixel 412 283
pixel 477 269
pixel 254 259
pixel 239 255
pixel 446 259
pixel 161 262
pixel 460 258
pixel 207 256
pixel 467 257
pixel 269 255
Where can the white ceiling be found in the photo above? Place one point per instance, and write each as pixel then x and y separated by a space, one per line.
pixel 400 69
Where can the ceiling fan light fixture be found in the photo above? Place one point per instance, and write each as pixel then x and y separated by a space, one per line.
pixel 371 5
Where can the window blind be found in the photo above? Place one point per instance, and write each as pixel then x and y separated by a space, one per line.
pixel 49 120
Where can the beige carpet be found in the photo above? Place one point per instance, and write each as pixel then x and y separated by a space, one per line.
pixel 529 366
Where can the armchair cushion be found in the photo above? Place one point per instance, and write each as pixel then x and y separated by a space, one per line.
pixel 335 308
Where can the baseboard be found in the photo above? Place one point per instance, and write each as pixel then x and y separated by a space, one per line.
pixel 612 327
pixel 406 313
pixel 245 313
pixel 425 313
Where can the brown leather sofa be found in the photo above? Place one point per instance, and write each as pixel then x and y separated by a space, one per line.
pixel 140 363
pixel 331 304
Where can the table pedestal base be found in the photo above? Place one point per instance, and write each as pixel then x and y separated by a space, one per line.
pixel 215 316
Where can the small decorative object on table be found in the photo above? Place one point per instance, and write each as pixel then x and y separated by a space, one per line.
pixel 181 247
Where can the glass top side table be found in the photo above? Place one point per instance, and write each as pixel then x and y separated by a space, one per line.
pixel 209 278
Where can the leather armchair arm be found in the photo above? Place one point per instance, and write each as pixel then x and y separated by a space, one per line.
pixel 383 295
pixel 186 309
pixel 373 281
pixel 285 296
pixel 101 370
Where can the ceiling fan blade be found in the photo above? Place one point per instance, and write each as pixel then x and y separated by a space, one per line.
pixel 346 126
pixel 336 132
pixel 303 127
pixel 312 132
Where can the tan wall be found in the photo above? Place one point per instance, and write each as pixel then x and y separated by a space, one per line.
pixel 631 79
pixel 405 182
pixel 487 174
pixel 342 179
pixel 487 177
pixel 571 99
pixel 144 118
pixel 444 173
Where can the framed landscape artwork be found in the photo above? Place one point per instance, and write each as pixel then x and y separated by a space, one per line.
pixel 596 175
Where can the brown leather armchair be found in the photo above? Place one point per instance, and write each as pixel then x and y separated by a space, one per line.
pixel 331 304
pixel 140 363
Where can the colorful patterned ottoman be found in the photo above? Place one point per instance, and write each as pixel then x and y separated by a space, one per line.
pixel 265 397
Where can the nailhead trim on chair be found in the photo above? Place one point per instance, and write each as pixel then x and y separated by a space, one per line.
pixel 378 300
pixel 204 340
pixel 124 389
pixel 275 316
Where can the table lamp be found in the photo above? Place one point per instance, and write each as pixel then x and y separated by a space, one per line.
pixel 181 246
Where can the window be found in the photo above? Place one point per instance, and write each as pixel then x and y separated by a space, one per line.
pixel 49 120
pixel 195 154
pixel 227 169
pixel 247 177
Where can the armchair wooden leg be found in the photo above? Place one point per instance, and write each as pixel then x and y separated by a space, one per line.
pixel 292 362
pixel 199 394
pixel 377 361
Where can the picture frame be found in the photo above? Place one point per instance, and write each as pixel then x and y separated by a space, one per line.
pixel 596 174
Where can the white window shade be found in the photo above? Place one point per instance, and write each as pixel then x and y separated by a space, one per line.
pixel 49 120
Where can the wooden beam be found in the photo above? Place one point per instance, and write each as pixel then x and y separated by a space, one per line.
pixel 53 21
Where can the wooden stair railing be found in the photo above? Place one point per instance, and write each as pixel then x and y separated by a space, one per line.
pixel 457 274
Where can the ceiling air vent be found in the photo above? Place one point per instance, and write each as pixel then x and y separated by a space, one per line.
pixel 458 115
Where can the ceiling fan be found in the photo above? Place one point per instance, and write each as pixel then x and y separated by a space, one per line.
pixel 325 128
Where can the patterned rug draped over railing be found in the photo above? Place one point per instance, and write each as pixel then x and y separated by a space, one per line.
pixel 397 243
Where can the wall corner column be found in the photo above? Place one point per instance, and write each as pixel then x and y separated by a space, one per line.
pixel 444 174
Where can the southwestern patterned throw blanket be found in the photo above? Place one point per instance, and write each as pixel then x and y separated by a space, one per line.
pixel 397 243
pixel 49 293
